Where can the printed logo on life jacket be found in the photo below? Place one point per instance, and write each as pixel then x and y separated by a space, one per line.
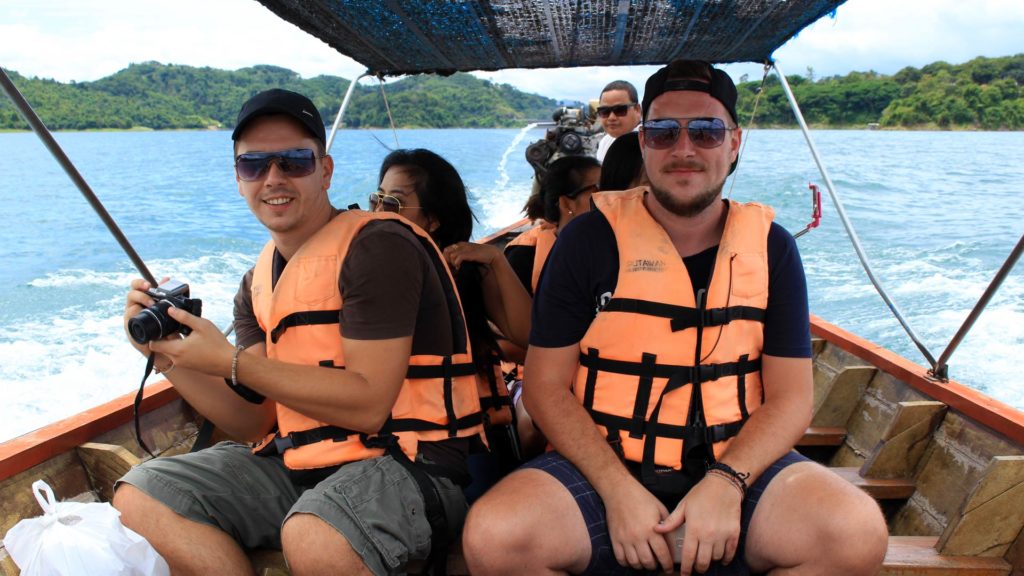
pixel 644 265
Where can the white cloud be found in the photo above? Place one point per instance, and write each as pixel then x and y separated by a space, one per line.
pixel 85 40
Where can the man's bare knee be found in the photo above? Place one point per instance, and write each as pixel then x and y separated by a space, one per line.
pixel 312 546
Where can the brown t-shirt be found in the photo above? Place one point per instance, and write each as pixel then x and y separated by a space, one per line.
pixel 390 288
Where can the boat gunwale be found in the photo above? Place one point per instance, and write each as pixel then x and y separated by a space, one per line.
pixel 978 406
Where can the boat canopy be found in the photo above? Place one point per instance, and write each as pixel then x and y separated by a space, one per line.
pixel 396 37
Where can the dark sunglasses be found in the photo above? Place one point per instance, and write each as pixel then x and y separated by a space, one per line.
pixel 294 163
pixel 582 189
pixel 705 133
pixel 387 203
pixel 618 110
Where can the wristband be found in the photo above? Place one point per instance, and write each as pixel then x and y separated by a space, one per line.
pixel 164 371
pixel 248 394
pixel 739 478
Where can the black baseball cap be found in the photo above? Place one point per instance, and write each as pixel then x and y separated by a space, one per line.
pixel 279 101
pixel 668 79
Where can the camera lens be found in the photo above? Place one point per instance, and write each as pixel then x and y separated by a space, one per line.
pixel 571 143
pixel 152 323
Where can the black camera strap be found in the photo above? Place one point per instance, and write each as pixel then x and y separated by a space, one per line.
pixel 150 361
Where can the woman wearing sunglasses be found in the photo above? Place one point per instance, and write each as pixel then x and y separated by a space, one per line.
pixel 426 189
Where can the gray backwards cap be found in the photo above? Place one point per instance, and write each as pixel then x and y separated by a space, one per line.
pixel 278 101
pixel 720 87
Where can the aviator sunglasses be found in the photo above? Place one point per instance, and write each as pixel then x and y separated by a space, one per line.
pixel 618 109
pixel 295 163
pixel 387 203
pixel 705 133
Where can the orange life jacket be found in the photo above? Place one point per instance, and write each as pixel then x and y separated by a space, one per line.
pixel 639 375
pixel 542 238
pixel 438 398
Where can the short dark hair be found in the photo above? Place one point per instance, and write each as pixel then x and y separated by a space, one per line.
pixel 622 163
pixel 564 176
pixel 625 86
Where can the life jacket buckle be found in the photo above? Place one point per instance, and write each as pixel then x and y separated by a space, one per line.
pixel 715 316
pixel 282 443
pixel 709 372
pixel 384 441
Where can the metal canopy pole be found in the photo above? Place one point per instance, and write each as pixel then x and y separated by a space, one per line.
pixel 941 370
pixel 846 221
pixel 43 133
pixel 341 111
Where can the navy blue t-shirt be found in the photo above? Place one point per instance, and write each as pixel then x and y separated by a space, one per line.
pixel 583 268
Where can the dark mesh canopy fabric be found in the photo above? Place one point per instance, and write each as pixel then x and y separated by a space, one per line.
pixel 392 37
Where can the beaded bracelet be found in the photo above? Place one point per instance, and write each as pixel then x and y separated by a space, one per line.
pixel 234 366
pixel 738 478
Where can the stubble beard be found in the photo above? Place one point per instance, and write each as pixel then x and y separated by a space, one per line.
pixel 687 208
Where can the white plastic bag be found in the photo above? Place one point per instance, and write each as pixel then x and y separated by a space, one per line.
pixel 77 539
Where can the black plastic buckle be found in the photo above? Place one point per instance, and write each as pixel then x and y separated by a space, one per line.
pixel 282 443
pixel 709 372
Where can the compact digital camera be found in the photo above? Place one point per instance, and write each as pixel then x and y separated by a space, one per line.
pixel 154 323
pixel 570 136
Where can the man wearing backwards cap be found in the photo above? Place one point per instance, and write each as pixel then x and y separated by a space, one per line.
pixel 650 449
pixel 326 485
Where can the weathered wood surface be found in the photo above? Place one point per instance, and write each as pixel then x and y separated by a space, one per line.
pixel 878 488
pixel 823 436
pixel 105 464
pixel 917 556
pixel 993 515
pixel 904 442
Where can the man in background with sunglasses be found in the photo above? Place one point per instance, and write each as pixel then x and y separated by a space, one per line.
pixel 352 377
pixel 669 367
pixel 619 113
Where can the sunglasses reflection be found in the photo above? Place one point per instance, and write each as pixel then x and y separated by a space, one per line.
pixel 295 163
pixel 704 133
pixel 381 202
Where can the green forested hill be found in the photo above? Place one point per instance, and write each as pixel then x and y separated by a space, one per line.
pixel 154 95
pixel 984 93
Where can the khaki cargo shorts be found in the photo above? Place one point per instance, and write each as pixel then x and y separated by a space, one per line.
pixel 375 504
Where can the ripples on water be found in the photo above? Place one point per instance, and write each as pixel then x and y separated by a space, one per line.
pixel 937 212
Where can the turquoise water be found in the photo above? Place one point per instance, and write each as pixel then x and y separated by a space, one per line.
pixel 937 213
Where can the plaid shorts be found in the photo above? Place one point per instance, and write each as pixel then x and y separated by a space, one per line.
pixel 602 557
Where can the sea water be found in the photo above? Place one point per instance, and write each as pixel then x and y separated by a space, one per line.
pixel 936 212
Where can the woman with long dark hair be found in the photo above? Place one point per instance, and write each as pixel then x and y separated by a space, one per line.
pixel 427 190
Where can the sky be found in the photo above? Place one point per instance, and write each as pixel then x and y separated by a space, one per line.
pixel 85 40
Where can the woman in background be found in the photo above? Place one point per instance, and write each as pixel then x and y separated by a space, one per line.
pixel 426 189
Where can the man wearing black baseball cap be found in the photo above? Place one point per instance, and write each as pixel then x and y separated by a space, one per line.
pixel 674 410
pixel 341 428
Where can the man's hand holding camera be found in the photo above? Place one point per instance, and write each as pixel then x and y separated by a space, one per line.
pixel 157 318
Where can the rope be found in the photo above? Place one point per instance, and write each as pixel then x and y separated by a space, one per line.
pixel 387 107
pixel 750 123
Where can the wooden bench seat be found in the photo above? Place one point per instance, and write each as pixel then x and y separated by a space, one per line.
pixel 916 555
pixel 823 436
pixel 907 556
pixel 878 488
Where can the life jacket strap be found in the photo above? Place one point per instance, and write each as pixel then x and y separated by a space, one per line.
pixel 683 317
pixel 306 318
pixel 297 439
pixel 688 374
pixel 714 433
